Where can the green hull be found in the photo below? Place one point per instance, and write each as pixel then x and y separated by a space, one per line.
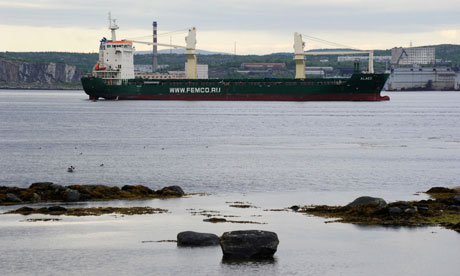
pixel 360 87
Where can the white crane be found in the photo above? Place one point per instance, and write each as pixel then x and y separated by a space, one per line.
pixel 300 55
pixel 190 47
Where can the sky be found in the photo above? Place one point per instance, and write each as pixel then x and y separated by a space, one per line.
pixel 255 26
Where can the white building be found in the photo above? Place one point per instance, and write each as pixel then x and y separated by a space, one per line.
pixel 363 58
pixel 422 78
pixel 413 55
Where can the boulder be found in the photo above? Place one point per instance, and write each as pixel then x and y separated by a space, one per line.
pixel 10 197
pixel 453 207
pixel 137 189
pixel 171 191
pixel 394 210
pixel 456 198
pixel 410 211
pixel 247 244
pixel 440 190
pixel 190 238
pixel 368 200
pixel 40 185
pixel 71 195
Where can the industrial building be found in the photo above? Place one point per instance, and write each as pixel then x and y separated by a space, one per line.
pixel 422 78
pixel 363 58
pixel 412 55
pixel 260 66
pixel 147 68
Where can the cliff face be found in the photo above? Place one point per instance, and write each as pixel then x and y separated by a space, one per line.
pixel 12 71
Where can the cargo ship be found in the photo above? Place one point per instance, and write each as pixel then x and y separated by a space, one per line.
pixel 113 78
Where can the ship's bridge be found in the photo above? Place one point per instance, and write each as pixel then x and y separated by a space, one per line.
pixel 115 62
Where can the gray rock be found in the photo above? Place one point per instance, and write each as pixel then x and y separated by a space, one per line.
pixel 41 185
pixel 190 238
pixel 454 207
pixel 12 198
pixel 72 195
pixel 423 209
pixel 403 203
pixel 410 211
pixel 456 198
pixel 247 244
pixel 394 210
pixel 368 200
pixel 171 191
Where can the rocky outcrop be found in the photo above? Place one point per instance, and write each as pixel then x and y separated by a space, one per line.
pixel 247 244
pixel 368 200
pixel 171 191
pixel 190 238
pixel 13 71
pixel 48 191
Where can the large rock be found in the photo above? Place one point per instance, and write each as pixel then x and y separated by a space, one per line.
pixel 137 189
pixel 441 190
pixel 171 191
pixel 249 244
pixel 456 199
pixel 190 238
pixel 368 200
pixel 12 198
pixel 71 195
pixel 394 211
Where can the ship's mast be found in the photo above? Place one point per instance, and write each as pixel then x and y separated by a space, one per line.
pixel 113 26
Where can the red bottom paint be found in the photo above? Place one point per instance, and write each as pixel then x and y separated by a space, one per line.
pixel 195 97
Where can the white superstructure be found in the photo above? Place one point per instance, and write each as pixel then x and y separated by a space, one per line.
pixel 116 57
pixel 115 63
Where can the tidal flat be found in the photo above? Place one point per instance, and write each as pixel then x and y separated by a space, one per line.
pixel 262 157
pixel 114 243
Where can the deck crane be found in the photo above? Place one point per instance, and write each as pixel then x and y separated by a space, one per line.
pixel 190 47
pixel 300 55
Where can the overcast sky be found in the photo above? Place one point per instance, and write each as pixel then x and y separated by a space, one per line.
pixel 257 26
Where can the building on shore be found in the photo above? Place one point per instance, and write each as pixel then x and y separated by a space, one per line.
pixel 413 55
pixel 263 66
pixel 423 78
pixel 363 58
pixel 147 68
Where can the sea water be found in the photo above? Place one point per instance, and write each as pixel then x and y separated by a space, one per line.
pixel 269 154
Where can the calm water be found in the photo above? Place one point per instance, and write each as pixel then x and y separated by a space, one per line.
pixel 272 154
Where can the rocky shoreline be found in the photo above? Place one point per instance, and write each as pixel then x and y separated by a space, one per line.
pixel 442 209
pixel 87 211
pixel 51 192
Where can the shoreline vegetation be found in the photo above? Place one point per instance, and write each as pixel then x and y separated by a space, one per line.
pixel 442 208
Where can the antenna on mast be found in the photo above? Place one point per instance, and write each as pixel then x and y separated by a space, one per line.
pixel 113 26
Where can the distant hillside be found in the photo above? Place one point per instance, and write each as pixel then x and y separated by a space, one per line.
pixel 47 75
pixel 83 61
pixel 181 52
pixel 220 65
